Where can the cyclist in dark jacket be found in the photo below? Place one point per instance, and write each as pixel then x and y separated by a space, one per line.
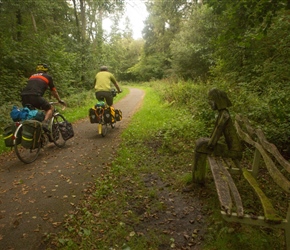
pixel 36 86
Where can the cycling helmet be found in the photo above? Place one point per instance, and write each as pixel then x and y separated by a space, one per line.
pixel 42 67
pixel 104 68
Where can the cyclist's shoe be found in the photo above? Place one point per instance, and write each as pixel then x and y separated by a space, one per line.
pixel 113 125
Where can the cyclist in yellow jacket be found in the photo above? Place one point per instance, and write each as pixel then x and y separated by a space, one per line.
pixel 103 81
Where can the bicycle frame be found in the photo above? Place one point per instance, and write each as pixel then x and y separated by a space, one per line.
pixel 101 106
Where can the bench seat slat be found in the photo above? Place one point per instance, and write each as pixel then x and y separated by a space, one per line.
pixel 235 193
pixel 227 190
pixel 221 186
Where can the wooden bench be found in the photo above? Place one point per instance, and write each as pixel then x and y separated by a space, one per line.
pixel 265 157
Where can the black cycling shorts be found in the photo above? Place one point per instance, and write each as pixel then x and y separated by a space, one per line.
pixel 107 95
pixel 36 101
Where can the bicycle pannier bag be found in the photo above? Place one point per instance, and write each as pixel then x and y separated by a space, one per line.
pixel 94 118
pixel 31 132
pixel 66 130
pixel 109 115
pixel 8 135
pixel 118 115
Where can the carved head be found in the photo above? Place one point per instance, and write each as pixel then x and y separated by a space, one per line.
pixel 218 99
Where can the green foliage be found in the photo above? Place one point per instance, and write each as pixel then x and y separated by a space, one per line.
pixel 162 24
pixel 148 68
pixel 192 47
pixel 33 32
pixel 192 97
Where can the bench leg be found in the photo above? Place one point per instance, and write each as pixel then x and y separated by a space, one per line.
pixel 287 238
pixel 287 229
pixel 199 168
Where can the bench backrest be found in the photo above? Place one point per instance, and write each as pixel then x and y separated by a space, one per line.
pixel 268 151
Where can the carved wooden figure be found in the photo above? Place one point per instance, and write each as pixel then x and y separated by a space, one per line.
pixel 232 148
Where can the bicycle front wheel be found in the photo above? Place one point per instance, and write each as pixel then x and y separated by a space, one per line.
pixel 57 138
pixel 26 155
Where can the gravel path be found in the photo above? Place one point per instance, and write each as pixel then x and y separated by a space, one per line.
pixel 34 198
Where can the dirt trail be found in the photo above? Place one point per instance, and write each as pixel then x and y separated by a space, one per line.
pixel 34 198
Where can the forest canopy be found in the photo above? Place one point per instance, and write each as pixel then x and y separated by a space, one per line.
pixel 243 45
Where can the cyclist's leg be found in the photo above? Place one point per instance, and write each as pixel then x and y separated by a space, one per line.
pixel 47 107
pixel 28 101
pixel 100 95
pixel 109 98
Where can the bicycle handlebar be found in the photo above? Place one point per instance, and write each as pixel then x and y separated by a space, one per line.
pixel 58 103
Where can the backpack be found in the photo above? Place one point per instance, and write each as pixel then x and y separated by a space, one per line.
pixel 31 132
pixel 22 114
pixel 109 115
pixel 35 115
pixel 18 114
pixel 66 130
pixel 118 115
pixel 8 135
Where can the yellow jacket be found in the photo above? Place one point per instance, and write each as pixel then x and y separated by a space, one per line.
pixel 103 81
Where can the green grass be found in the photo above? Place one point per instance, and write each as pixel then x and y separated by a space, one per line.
pixel 156 143
pixel 124 185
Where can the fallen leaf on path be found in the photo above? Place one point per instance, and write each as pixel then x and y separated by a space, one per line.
pixel 25 235
pixel 16 223
pixel 56 224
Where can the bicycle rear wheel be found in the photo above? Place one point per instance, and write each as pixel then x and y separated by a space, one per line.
pixel 104 129
pixel 57 138
pixel 26 155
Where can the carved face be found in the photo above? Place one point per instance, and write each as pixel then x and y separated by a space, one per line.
pixel 212 104
pixel 218 99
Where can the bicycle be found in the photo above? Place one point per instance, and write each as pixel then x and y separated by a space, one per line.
pixel 101 115
pixel 50 134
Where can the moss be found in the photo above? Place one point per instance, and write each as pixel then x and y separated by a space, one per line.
pixel 269 211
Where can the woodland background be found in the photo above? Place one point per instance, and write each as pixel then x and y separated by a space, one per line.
pixel 241 46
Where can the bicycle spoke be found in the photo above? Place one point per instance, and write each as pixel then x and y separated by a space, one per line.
pixel 57 121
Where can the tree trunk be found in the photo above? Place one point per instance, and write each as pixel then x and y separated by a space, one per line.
pixel 77 19
pixel 33 22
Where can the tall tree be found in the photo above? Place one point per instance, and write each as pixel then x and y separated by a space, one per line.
pixel 162 24
pixel 192 48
